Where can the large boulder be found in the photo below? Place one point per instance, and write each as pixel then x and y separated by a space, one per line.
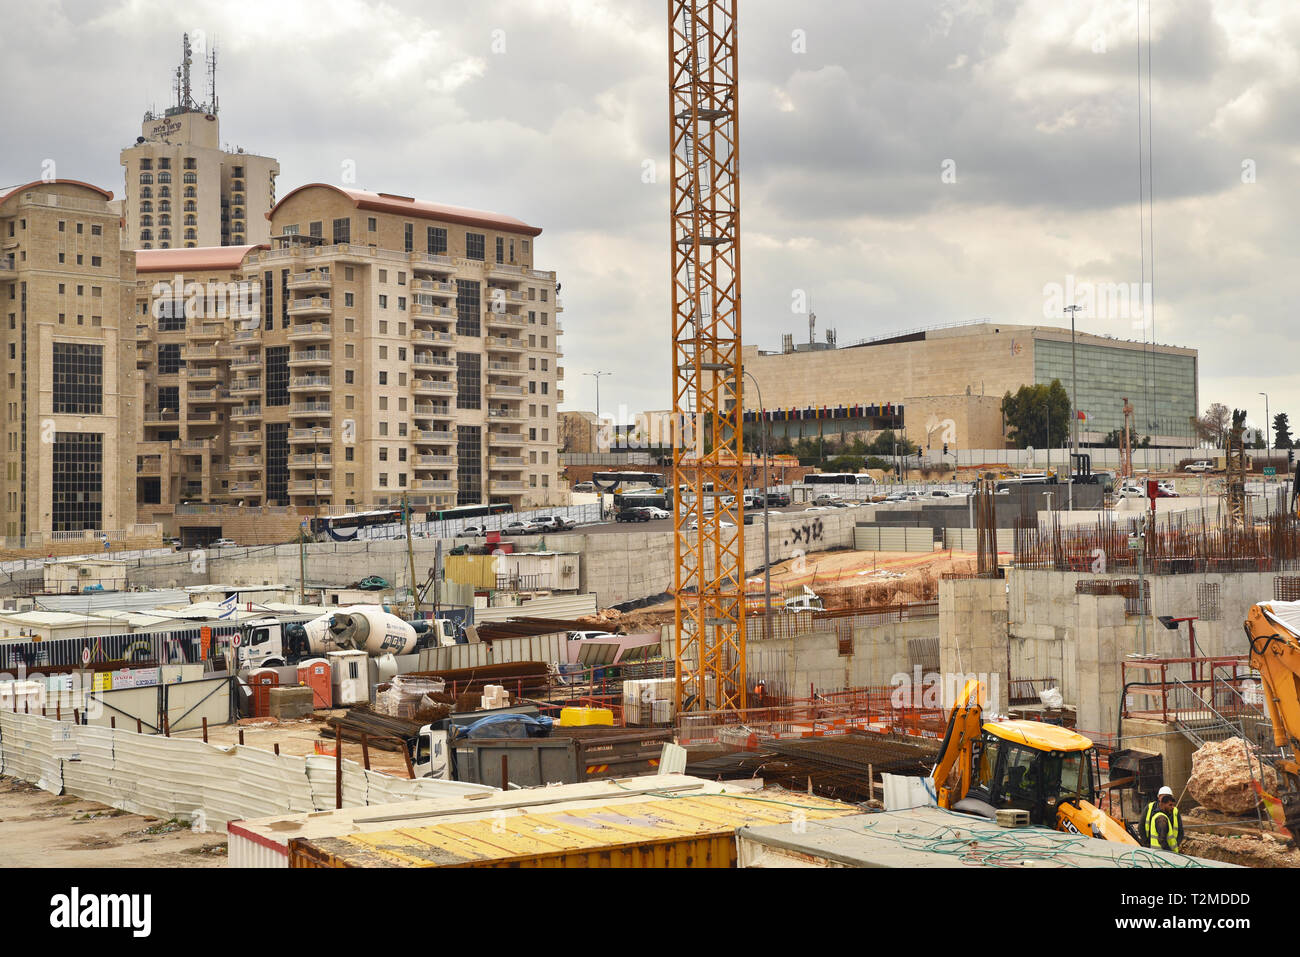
pixel 1222 776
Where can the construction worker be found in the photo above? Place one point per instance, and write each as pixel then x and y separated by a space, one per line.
pixel 1162 826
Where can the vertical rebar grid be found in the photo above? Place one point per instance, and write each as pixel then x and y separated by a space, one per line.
pixel 708 448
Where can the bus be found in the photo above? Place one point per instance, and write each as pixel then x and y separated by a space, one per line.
pixel 469 511
pixel 838 478
pixel 648 497
pixel 344 528
pixel 617 482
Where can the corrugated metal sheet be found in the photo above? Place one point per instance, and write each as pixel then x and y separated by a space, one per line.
pixel 557 606
pixel 534 648
pixel 690 831
pixel 892 538
pixel 455 657
pixel 477 571
pixel 93 603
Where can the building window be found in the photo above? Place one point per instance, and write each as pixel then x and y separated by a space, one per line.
pixel 146 179
pixel 469 465
pixel 187 178
pixel 169 359
pixel 191 192
pixel 164 177
pixel 469 308
pixel 409 237
pixel 469 390
pixel 383 378
pixel 77 481
pixel 342 231
pixel 383 302
pixel 277 463
pixel 372 224
pixel 78 379
pixel 437 241
pixel 277 375
pixel 170 313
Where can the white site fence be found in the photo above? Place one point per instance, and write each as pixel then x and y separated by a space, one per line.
pixel 189 780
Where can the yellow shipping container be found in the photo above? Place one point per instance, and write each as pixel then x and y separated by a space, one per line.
pixel 477 571
pixel 694 830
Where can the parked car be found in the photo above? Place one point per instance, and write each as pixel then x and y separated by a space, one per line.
pixel 1201 466
pixel 942 493
pixel 584 487
pixel 224 543
pixel 521 528
pixel 695 526
pixel 818 508
pixel 632 515
pixel 1166 489
pixel 579 635
pixel 826 498
pixel 778 499
pixel 473 531
pixel 1132 491
pixel 553 523
pixel 174 543
pixel 656 512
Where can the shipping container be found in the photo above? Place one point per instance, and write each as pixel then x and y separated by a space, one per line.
pixel 655 830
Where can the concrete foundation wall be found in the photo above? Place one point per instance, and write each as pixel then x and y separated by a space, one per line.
pixel 879 653
pixel 973 634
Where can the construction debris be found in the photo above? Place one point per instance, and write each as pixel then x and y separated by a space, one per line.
pixel 1222 776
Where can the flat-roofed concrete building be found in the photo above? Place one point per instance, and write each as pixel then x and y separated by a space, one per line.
pixel 952 380
pixel 68 382
pixel 399 349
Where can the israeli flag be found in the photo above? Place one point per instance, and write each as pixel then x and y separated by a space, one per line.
pixel 228 606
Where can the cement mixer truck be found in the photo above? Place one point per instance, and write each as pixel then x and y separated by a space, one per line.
pixel 271 643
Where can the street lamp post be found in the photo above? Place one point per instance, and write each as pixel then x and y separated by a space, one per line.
pixel 767 555
pixel 596 376
pixel 1268 424
pixel 1074 403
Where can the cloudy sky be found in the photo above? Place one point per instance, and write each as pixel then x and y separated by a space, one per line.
pixel 907 163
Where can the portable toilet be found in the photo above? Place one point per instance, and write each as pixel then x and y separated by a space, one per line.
pixel 349 677
pixel 260 682
pixel 315 674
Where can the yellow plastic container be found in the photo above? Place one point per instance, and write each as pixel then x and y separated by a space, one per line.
pixel 585 717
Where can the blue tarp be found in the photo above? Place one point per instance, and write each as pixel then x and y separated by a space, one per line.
pixel 508 726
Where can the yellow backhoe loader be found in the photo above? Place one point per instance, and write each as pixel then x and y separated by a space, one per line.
pixel 1047 771
pixel 1272 628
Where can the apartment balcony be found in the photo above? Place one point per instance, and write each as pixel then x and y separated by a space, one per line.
pixel 306 281
pixel 246 362
pixel 505 438
pixel 433 436
pixel 241 488
pixel 433 362
pixel 144 357
pixel 247 336
pixel 8 269
pixel 500 272
pixel 420 312
pixel 506 320
pixel 507 487
pixel 310 383
pixel 507 462
pixel 149 465
pixel 193 417
pixel 310 332
pixel 513 297
pixel 500 344
pixel 309 408
pixel 246 412
pixel 309 461
pixel 434 485
pixel 432 410
pixel 505 391
pixel 559 373
pixel 505 415
pixel 559 395
pixel 431 265
pixel 433 387
pixel 320 434
pixel 543 275
pixel 433 287
pixel 435 335
pixel 246 386
pixel 202 374
pixel 315 306
pixel 310 487
pixel 310 357
pixel 497 367
pixel 559 308
pixel 205 331
pixel 246 463
pixel 161 416
pixel 143 333
pixel 435 461
pixel 245 438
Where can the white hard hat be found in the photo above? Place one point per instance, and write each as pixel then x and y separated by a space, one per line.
pixel 1165 790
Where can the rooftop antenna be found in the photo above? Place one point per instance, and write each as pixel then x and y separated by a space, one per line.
pixel 187 98
pixel 212 77
pixel 812 324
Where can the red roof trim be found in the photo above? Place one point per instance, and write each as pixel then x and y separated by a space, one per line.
pixel 193 258
pixel 392 203
pixel 107 194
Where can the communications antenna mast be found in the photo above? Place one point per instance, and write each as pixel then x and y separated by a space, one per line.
pixel 708 445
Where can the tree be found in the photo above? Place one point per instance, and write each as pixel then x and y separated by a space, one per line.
pixel 1213 426
pixel 1282 432
pixel 1112 439
pixel 1037 415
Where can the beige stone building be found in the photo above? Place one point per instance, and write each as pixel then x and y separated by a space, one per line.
pixel 399 349
pixel 183 189
pixel 946 384
pixel 66 296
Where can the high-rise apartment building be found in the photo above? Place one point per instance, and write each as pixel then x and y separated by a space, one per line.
pixel 183 190
pixel 68 379
pixel 401 349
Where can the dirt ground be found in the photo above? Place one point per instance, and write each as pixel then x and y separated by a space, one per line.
pixel 844 579
pixel 298 737
pixel 38 829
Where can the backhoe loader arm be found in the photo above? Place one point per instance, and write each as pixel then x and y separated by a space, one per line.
pixel 1275 654
pixel 952 775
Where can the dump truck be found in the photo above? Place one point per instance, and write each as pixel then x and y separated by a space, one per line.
pixel 270 642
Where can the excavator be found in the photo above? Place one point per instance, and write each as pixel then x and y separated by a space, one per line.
pixel 1272 628
pixel 1045 770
